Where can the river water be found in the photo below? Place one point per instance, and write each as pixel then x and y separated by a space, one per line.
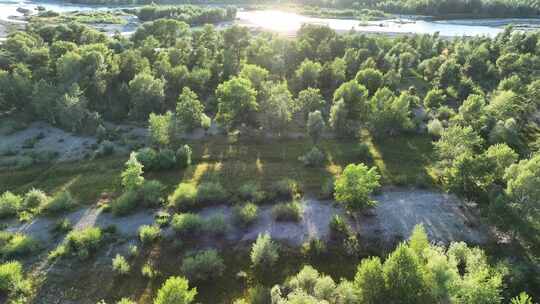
pixel 288 23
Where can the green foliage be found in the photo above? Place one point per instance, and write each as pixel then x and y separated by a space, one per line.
pixel 161 129
pixel 522 180
pixel 369 281
pixel 60 202
pixel 315 126
pixel 132 174
pixel 175 291
pixel 246 214
pixel 12 279
pixel 286 189
pixel 203 266
pixel 17 245
pixel 354 186
pixel 251 192
pixel 120 265
pixel 434 99
pixel 151 192
pixel 216 225
pixel 522 298
pixel 183 156
pixel 291 211
pixel 189 110
pixel 310 100
pixel 34 198
pixel 81 243
pixel 236 102
pixel 264 252
pixel 126 203
pixel 187 224
pixel 146 95
pixel 184 196
pixel 390 115
pixel 9 204
pixel 307 74
pixel 314 158
pixel 149 234
pixel 211 193
pixel 372 79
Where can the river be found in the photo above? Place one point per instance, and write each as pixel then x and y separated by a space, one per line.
pixel 288 23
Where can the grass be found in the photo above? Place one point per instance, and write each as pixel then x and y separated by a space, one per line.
pixel 234 163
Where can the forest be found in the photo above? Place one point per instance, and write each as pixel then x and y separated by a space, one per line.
pixel 342 118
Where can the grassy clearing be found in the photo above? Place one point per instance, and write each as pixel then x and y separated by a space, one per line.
pixel 401 160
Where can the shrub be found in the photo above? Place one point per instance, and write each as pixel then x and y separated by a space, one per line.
pixel 246 214
pixel 175 291
pixel 148 271
pixel 165 159
pixel 211 192
pixel 132 175
pixel 291 211
pixel 61 202
pixel 183 156
pixel 151 193
pixel 216 225
pixel 35 198
pixel 354 186
pixel 62 226
pixel 125 203
pixel 203 266
pixel 11 278
pixel 147 157
pixel 183 196
pixel 259 295
pixel 435 128
pixel 187 223
pixel 339 228
pixel 18 245
pixel 162 218
pixel 286 188
pixel 251 192
pixel 327 188
pixel 149 234
pixel 125 301
pixel 120 265
pixel 9 204
pixel 133 251
pixel 314 158
pixel 106 148
pixel 362 151
pixel 264 252
pixel 314 247
pixel 83 242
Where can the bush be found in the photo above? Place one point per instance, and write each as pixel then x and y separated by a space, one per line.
pixel 435 128
pixel 62 226
pixel 264 252
pixel 125 301
pixel 106 148
pixel 82 242
pixel 291 211
pixel 211 193
pixel 12 279
pixel 327 189
pixel 125 203
pixel 187 224
pixel 362 151
pixel 216 225
pixel 251 192
pixel 35 198
pixel 175 291
pixel 18 245
pixel 162 218
pixel 286 188
pixel 61 202
pixel 314 247
pixel 151 193
pixel 149 234
pixel 339 228
pixel 120 265
pixel 203 266
pixel 148 271
pixel 354 186
pixel 165 159
pixel 9 204
pixel 183 156
pixel 147 157
pixel 183 196
pixel 314 158
pixel 246 214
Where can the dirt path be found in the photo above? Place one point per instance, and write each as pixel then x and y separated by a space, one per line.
pixel 443 216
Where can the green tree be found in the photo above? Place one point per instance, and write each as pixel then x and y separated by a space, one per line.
pixel 307 74
pixel 132 174
pixel 434 99
pixel 147 95
pixel 372 79
pixel 189 110
pixel 277 107
pixel 310 100
pixel 354 186
pixel 315 126
pixel 523 183
pixel 236 102
pixel 175 291
pixel 160 128
pixel 390 114
pixel 355 98
pixel 264 252
pixel 369 281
